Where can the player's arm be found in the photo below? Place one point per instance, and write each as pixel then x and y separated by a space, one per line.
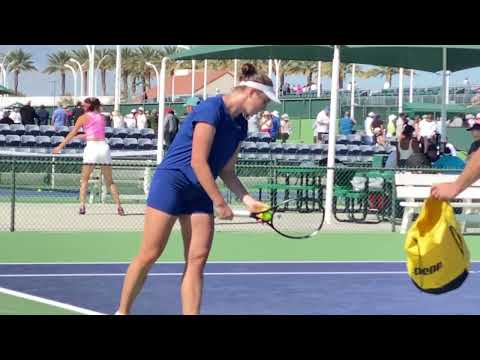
pixel 80 122
pixel 201 146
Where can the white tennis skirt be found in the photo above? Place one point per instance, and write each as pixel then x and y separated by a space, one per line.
pixel 97 152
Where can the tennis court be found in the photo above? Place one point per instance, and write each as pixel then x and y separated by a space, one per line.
pixel 249 273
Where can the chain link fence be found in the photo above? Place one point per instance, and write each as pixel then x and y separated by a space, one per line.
pixel 43 195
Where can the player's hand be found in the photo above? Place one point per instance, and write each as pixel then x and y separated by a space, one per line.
pixel 223 211
pixel 254 206
pixel 57 150
pixel 446 191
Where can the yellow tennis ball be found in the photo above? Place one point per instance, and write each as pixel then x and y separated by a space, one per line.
pixel 39 190
pixel 266 216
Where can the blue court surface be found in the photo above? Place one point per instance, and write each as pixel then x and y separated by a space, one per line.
pixel 246 288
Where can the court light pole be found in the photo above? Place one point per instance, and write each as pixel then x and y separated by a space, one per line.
pixel 81 75
pixel 95 74
pixel 74 73
pixel 91 68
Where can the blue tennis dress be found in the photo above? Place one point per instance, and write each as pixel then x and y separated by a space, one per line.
pixel 175 188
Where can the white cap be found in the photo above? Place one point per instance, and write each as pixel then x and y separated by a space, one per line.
pixel 140 108
pixel 133 111
pixel 275 112
pixel 371 114
pixel 285 116
pixel 478 116
pixel 392 117
pixel 470 116
pixel 267 90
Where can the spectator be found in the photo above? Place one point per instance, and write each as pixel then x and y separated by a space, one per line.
pixel 6 118
pixel 368 126
pixel 153 120
pixel 298 89
pixel 401 122
pixel 448 161
pixel 275 125
pixel 427 127
pixel 420 160
pixel 141 118
pixel 378 130
pixel 43 115
pixel 266 122
pixel 253 124
pixel 69 117
pixel 130 120
pixel 322 124
pixel 457 121
pixel 170 128
pixel 77 112
pixel 59 117
pixel 191 103
pixel 285 128
pixel 470 118
pixel 117 120
pixel 475 129
pixel 313 88
pixel 450 147
pixel 347 124
pixel 16 116
pixel 416 126
pixel 477 119
pixel 407 145
pixel 391 127
pixel 27 113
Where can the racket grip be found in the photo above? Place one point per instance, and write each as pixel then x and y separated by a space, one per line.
pixel 242 213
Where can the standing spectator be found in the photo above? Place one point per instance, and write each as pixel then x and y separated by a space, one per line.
pixel 346 124
pixel 470 118
pixel 378 130
pixel 130 120
pixel 170 127
pixel 448 161
pixel 475 129
pixel 59 117
pixel 6 119
pixel 141 119
pixel 15 115
pixel 416 126
pixel 266 122
pixel 368 126
pixel 402 121
pixel 407 145
pixel 69 117
pixel 391 127
pixel 450 147
pixel 117 120
pixel 77 112
pixel 153 120
pixel 253 124
pixel 428 129
pixel 285 128
pixel 43 115
pixel 28 114
pixel 298 89
pixel 275 125
pixel 289 89
pixel 322 123
pixel 313 88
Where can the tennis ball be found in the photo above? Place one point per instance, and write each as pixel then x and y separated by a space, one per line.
pixel 39 190
pixel 266 216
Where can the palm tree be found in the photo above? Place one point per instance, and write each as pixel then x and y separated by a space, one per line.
pixel 81 55
pixel 108 63
pixel 18 61
pixel 384 71
pixel 146 54
pixel 56 64
pixel 344 69
pixel 128 67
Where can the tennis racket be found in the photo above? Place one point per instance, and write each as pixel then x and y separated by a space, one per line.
pixel 294 219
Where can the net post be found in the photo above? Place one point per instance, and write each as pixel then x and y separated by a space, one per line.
pixel 13 195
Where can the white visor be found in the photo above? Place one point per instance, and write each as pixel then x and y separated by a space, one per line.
pixel 267 90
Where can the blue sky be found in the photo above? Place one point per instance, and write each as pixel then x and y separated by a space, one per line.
pixel 37 83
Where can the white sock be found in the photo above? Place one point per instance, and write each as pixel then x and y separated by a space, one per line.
pixel 119 313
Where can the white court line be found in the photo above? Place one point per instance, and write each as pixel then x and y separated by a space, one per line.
pixel 49 302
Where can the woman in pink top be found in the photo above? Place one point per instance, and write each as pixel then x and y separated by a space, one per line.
pixel 97 151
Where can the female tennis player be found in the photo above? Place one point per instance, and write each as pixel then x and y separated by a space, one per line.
pixel 184 187
pixel 97 151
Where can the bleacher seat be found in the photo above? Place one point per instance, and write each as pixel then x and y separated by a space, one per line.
pixel 5 130
pixel 355 139
pixel 354 152
pixel 17 129
pixel 249 147
pixel 276 151
pixel 154 143
pixel 134 133
pixel 12 140
pixel 290 152
pixel 341 152
pixel 80 131
pixel 324 138
pixel 367 140
pixel 145 144
pixel 75 143
pixel 366 152
pixel 56 140
pixel 47 130
pixel 264 137
pixel 42 150
pixel 319 151
pixel 263 150
pixel 28 140
pixel 63 131
pixel 342 139
pixel 253 137
pixel 108 132
pixel 33 130
pixel 120 133
pixel 43 141
pixel 304 152
pixel 115 143
pixel 147 133
pixel 2 140
pixel 130 144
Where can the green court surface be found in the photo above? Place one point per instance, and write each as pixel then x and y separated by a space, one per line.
pixel 13 305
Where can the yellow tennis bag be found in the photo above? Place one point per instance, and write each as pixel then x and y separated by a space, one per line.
pixel 438 258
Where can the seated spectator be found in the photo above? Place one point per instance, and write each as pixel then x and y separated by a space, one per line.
pixel 470 119
pixel 419 160
pixel 43 115
pixel 347 124
pixel 77 112
pixel 391 128
pixel 16 116
pixel 130 120
pixel 6 118
pixel 427 127
pixel 117 120
pixel 285 128
pixel 407 146
pixel 378 130
pixel 253 124
pixel 141 118
pixel 266 122
pixel 448 161
pixel 475 129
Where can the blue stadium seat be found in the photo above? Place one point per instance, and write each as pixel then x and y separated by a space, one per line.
pixel 120 133
pixel 304 153
pixel 108 132
pixel 33 130
pixel 75 143
pixel 342 139
pixel 56 140
pixel 63 131
pixel 115 143
pixel 254 137
pixel 12 140
pixel 17 129
pixel 355 139
pixel 134 133
pixel 154 142
pixel 130 144
pixel 341 152
pixel 28 140
pixel 264 137
pixel 263 150
pixel 145 144
pixel 276 151
pixel 43 141
pixel 5 130
pixel 147 133
pixel 47 130
pixel 2 140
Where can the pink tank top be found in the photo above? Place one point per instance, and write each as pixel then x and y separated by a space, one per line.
pixel 94 128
